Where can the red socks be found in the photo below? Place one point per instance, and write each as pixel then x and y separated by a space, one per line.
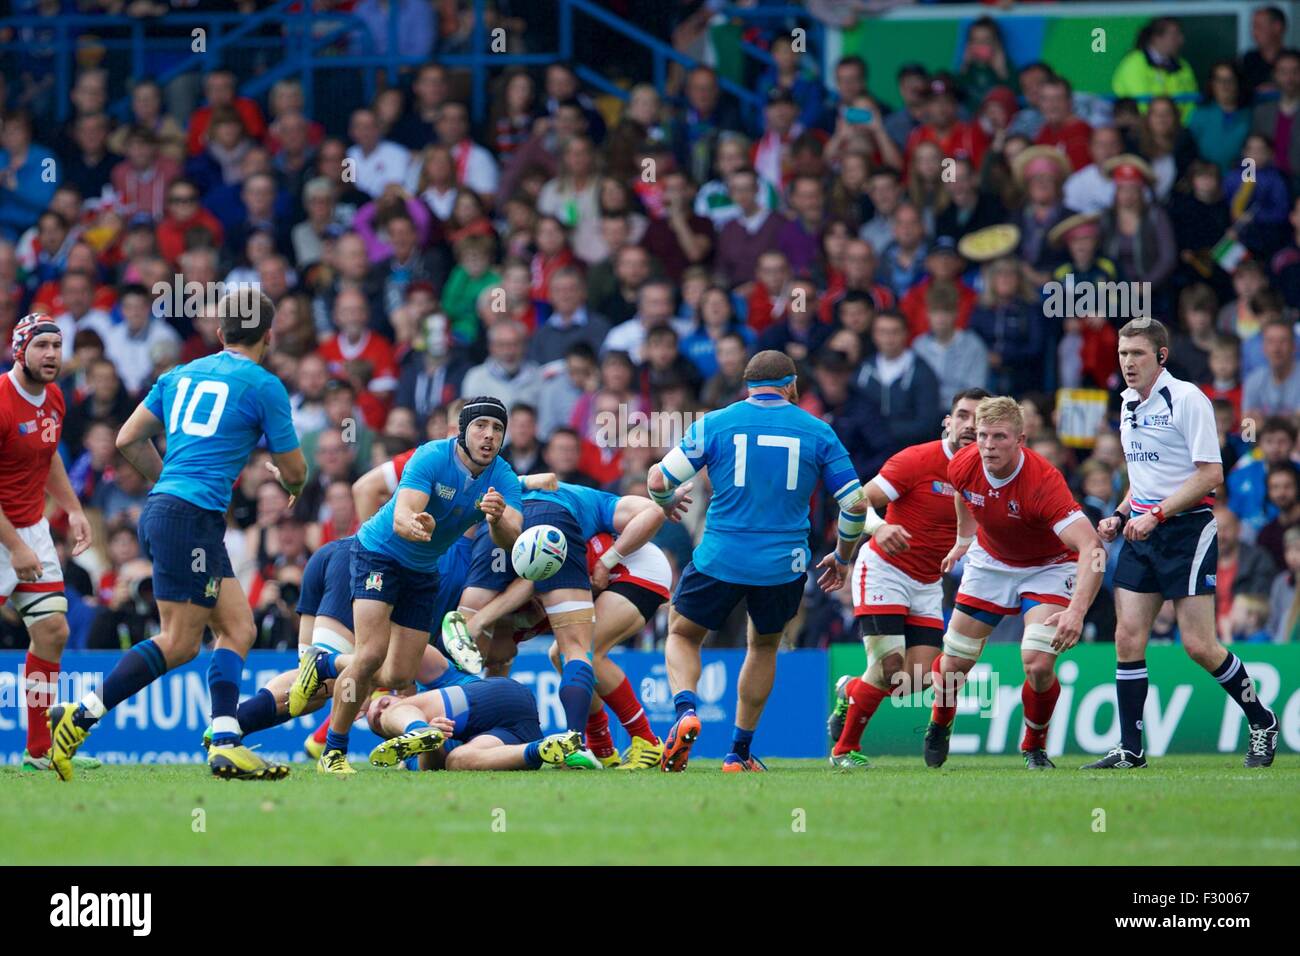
pixel 320 732
pixel 42 679
pixel 623 701
pixel 864 698
pixel 1038 713
pixel 945 709
pixel 598 736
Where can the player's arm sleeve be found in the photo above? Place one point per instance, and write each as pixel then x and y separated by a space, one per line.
pixel 893 478
pixel 682 462
pixel 843 483
pixel 1199 427
pixel 608 505
pixel 154 400
pixel 510 486
pixel 1058 505
pixel 277 418
pixel 418 473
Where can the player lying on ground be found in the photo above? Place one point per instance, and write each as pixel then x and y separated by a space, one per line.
pixel 1036 549
pixel 896 583
pixel 1171 548
pixel 214 411
pixel 635 588
pixel 448 486
pixel 490 724
pixel 580 514
pixel 764 456
pixel 31 420
pixel 326 601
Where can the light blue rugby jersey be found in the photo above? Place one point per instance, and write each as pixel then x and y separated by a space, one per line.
pixel 214 412
pixel 765 457
pixel 591 508
pixel 454 496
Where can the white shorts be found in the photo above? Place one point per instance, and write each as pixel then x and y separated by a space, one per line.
pixel 647 567
pixel 37 537
pixel 990 585
pixel 879 587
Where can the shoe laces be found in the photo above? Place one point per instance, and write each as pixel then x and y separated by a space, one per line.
pixel 1259 741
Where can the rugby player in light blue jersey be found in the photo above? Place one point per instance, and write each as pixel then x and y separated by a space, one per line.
pixel 214 411
pixel 446 487
pixel 764 456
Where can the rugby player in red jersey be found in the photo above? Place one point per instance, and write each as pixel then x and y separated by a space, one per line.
pixel 1026 542
pixel 31 421
pixel 896 582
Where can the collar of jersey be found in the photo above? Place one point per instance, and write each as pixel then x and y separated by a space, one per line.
pixel 1163 379
pixel 234 354
pixel 767 398
pixel 36 400
pixel 1003 482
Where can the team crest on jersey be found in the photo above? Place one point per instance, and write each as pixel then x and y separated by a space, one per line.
pixel 1013 507
pixel 375 581
pixel 942 488
pixel 445 492
pixel 212 588
pixel 478 503
pixel 975 499
pixel 1211 580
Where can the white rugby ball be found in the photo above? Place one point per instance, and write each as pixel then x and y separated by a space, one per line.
pixel 539 552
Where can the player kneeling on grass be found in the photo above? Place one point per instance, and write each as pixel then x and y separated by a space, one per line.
pixel 896 582
pixel 580 514
pixel 490 724
pixel 213 412
pixel 1035 548
pixel 31 420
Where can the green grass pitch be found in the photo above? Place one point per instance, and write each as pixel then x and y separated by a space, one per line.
pixel 977 810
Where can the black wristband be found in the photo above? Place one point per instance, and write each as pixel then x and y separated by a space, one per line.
pixel 1123 519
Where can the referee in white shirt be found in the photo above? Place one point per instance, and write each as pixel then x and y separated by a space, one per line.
pixel 1170 549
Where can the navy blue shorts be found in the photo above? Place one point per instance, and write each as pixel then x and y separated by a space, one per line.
pixel 499 706
pixel 493 571
pixel 178 537
pixel 378 577
pixel 1178 560
pixel 327 583
pixel 709 602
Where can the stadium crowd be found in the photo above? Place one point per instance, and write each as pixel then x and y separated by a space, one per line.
pixel 588 261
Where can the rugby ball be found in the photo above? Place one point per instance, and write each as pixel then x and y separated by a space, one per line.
pixel 539 551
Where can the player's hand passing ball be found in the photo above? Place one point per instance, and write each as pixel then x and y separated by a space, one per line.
pixel 893 538
pixel 493 506
pixel 418 526
pixel 833 574
pixel 1069 628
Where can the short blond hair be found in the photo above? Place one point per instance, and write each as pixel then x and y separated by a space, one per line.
pixel 1000 408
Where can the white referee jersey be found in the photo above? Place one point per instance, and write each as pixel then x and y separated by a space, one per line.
pixel 1164 437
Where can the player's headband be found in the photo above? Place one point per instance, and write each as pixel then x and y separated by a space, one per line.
pixel 27 328
pixel 484 407
pixel 771 382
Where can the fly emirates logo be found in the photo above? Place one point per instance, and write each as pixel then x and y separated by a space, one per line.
pixel 1135 453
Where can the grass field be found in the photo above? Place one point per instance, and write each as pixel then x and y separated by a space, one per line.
pixel 977 810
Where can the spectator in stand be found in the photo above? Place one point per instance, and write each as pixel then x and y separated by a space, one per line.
pixel 1284 496
pixel 717 319
pixel 569 320
pixel 523 450
pixel 755 231
pixel 187 224
pixel 361 355
pixel 564 387
pixel 1248 481
pixel 902 263
pixel 29 175
pixel 147 113
pixel 1090 189
pixel 1243 569
pixel 901 384
pixel 944 128
pixel 475 167
pixel 800 237
pixel 943 269
pixel 968 207
pixel 958 357
pixel 1189 354
pixel 375 161
pixel 714 198
pixel 1219 126
pixel 913 90
pixel 219 91
pixel 143 178
pixel 130 343
pixel 681 238
pixel 656 306
pixel 571 197
pixel 90 165
pixel 707 115
pixel 1061 129
pixel 221 161
pixel 506 374
pixel 1275 388
pixel 1155 68
pixel 472 274
pixel 78 291
pixel 405 28
pixel 563 451
pixel 1284 597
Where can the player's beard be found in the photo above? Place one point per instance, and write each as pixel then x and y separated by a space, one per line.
pixel 40 375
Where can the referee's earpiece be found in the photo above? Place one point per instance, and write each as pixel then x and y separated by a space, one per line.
pixel 1162 356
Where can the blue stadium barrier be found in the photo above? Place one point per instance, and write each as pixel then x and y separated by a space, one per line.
pixel 163 724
